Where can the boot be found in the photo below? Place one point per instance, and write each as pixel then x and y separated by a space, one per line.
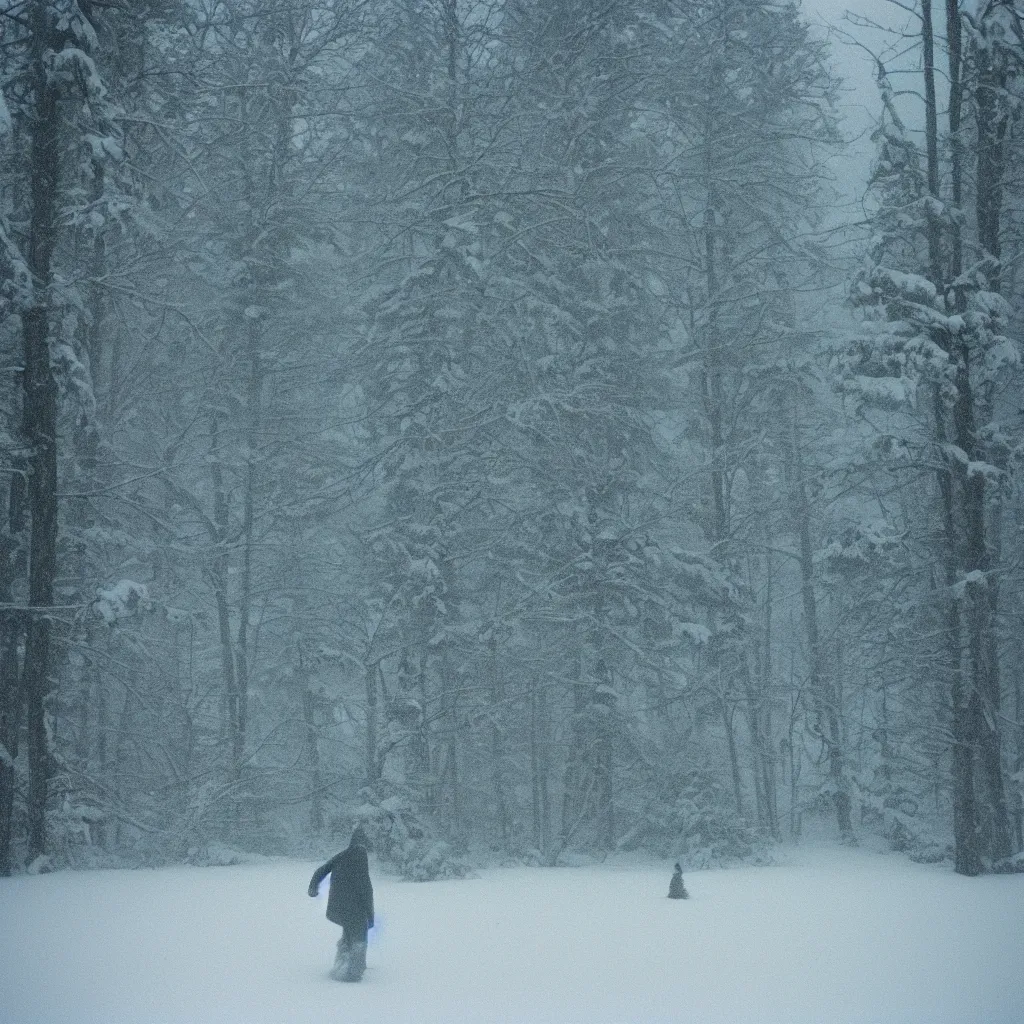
pixel 342 960
pixel 356 962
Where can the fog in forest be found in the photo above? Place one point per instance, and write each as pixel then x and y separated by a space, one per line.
pixel 532 430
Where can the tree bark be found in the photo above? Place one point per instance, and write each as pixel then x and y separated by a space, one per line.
pixel 824 693
pixel 39 423
pixel 964 810
pixel 541 800
pixel 1018 764
pixel 316 801
pixel 373 765
pixel 12 630
pixel 734 761
pixel 991 120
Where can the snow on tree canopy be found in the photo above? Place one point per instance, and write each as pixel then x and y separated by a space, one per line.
pixel 123 600
pixel 694 631
pixel 103 146
pixel 887 392
pixel 67 64
pixel 909 286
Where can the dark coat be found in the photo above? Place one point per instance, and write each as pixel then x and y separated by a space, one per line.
pixel 350 900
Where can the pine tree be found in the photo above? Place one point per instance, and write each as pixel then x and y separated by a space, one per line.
pixel 934 344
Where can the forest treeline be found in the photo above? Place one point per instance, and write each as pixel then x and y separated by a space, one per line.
pixel 478 419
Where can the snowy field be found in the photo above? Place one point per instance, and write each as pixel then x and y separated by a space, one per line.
pixel 829 936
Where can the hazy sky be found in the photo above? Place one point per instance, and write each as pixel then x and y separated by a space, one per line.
pixel 860 102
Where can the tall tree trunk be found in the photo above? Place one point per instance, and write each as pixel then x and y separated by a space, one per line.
pixel 12 566
pixel 373 765
pixel 825 694
pixel 758 687
pixel 498 717
pixel 734 761
pixel 10 726
pixel 991 120
pixel 220 580
pixel 964 729
pixel 1018 764
pixel 39 422
pixel 931 143
pixel 577 784
pixel 450 777
pixel 316 799
pixel 604 708
pixel 541 799
pixel 589 774
pixel 967 853
pixel 254 423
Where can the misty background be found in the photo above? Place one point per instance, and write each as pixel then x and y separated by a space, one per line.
pixel 531 430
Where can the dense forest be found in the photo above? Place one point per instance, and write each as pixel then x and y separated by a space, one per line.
pixel 487 421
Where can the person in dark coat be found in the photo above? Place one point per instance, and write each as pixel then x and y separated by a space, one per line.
pixel 349 903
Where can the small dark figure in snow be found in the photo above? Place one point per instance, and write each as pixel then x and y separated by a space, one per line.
pixel 350 904
pixel 676 889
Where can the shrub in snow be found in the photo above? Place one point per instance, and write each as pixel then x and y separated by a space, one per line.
pixel 221 855
pixel 1010 865
pixel 399 837
pixel 895 812
pixel 40 866
pixel 915 837
pixel 697 825
pixel 74 819
pixel 72 828
pixel 711 836
pixel 426 862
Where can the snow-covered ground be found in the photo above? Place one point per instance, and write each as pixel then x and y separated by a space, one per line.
pixel 829 936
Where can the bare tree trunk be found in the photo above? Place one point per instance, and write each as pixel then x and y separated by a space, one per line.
pixel 734 762
pixel 984 699
pixel 541 799
pixel 1018 764
pixel 241 653
pixel 963 727
pixel 825 694
pixel 449 748
pixel 373 766
pixel 220 579
pixel 12 629
pixel 316 800
pixel 967 853
pixel 931 142
pixel 39 423
pixel 759 701
pixel 755 688
pixel 11 700
pixel 604 707
pixel 991 119
pixel 422 748
pixel 497 716
pixel 577 783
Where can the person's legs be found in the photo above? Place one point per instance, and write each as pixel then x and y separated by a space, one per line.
pixel 354 936
pixel 341 958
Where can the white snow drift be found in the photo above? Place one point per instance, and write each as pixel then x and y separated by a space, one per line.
pixel 829 937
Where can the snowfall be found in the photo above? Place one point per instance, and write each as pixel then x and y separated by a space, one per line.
pixel 822 936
